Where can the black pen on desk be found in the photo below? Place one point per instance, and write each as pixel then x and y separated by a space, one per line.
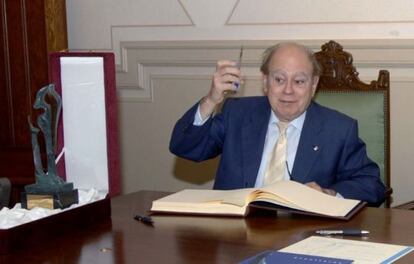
pixel 345 232
pixel 144 219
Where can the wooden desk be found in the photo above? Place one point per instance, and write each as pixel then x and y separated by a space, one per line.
pixel 190 239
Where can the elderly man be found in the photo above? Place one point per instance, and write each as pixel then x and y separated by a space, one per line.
pixel 281 136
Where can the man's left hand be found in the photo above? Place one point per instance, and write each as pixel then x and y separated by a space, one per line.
pixel 317 187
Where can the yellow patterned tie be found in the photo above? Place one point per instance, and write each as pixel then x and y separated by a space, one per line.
pixel 277 163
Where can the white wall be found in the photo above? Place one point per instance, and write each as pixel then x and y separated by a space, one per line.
pixel 166 50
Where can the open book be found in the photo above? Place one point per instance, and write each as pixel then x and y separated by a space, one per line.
pixel 283 195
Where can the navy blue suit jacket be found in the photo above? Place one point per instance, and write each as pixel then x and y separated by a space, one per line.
pixel 329 151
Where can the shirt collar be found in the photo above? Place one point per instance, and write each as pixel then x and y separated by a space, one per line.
pixel 296 123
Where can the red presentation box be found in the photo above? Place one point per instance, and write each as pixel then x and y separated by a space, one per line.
pixel 88 133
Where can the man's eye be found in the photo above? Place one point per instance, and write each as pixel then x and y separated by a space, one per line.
pixel 279 80
pixel 299 82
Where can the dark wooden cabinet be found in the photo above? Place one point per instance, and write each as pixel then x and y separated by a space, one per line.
pixel 29 30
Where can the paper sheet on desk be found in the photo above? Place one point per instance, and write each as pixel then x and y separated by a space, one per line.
pixel 361 252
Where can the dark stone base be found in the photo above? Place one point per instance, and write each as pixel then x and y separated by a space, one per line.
pixel 49 200
pixel 49 188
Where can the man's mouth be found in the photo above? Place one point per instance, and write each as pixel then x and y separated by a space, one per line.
pixel 287 101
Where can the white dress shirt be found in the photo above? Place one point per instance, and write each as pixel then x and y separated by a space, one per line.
pixel 293 135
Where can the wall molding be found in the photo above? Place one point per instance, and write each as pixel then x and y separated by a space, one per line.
pixel 142 61
pixel 354 11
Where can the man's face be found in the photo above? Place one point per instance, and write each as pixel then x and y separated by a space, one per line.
pixel 290 84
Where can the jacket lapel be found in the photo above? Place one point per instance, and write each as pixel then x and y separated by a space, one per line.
pixel 310 145
pixel 252 146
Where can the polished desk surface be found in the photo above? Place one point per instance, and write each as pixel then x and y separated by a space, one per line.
pixel 197 239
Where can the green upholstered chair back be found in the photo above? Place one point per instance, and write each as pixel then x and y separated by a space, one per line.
pixel 340 88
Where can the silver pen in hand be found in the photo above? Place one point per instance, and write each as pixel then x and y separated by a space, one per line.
pixel 237 84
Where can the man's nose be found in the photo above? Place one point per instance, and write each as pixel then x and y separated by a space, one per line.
pixel 288 89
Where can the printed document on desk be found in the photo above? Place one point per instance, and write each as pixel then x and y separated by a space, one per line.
pixel 273 257
pixel 361 252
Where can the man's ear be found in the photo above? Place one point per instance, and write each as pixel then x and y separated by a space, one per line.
pixel 315 82
pixel 264 80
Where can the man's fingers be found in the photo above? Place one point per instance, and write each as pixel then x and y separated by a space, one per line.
pixel 226 63
pixel 227 68
pixel 226 78
pixel 314 185
pixel 329 191
pixel 229 79
pixel 317 187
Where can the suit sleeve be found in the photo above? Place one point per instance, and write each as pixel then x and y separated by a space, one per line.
pixel 358 177
pixel 197 143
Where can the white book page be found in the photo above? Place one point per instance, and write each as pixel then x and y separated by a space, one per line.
pixel 302 196
pixel 204 201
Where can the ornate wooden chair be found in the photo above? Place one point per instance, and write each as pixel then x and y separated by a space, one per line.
pixel 340 88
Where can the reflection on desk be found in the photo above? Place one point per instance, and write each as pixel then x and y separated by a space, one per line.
pixel 198 239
